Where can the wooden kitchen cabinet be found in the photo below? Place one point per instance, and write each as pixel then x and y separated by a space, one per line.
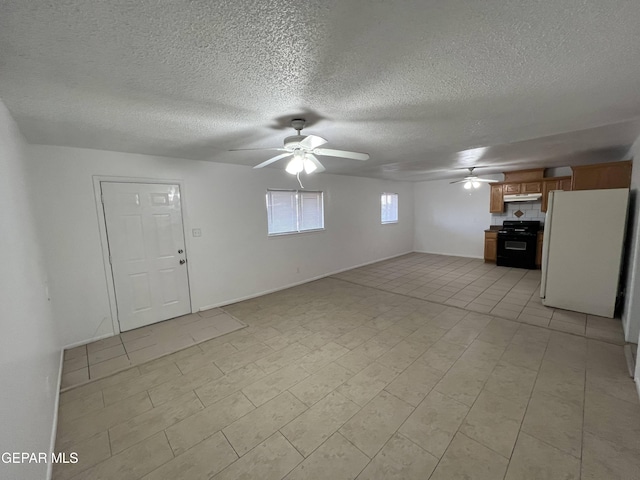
pixel 531 187
pixel 547 186
pixel 527 182
pixel 491 246
pixel 557 183
pixel 511 188
pixel 602 175
pixel 539 249
pixel 496 204
pixel 521 176
pixel 518 182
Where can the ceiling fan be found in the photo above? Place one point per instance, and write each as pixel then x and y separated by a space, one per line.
pixel 303 149
pixel 473 181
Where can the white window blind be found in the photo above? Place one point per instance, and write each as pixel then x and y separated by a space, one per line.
pixel 389 207
pixel 294 211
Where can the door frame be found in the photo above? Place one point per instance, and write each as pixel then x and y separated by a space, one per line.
pixel 104 240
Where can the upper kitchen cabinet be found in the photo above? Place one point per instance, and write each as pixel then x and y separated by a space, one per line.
pixel 532 187
pixel 602 175
pixel 518 182
pixel 556 183
pixel 511 188
pixel 524 176
pixel 497 203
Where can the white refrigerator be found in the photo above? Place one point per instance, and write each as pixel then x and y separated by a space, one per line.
pixel 582 250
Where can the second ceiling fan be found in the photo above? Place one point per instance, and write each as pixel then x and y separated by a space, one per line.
pixel 303 150
pixel 473 181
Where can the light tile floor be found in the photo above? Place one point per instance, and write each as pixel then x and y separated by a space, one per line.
pixel 473 285
pixel 105 357
pixel 337 380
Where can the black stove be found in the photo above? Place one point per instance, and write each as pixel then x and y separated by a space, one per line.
pixel 517 243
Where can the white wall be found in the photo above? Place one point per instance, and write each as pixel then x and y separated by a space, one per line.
pixel 449 219
pixel 29 349
pixel 233 259
pixel 631 310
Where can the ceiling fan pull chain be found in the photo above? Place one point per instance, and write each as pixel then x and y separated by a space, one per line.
pixel 298 177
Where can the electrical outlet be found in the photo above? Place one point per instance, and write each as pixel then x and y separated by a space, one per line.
pixel 297 269
pixel 196 232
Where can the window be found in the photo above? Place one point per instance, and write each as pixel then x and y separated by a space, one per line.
pixel 294 211
pixel 389 204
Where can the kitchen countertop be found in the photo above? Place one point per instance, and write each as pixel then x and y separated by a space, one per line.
pixel 495 228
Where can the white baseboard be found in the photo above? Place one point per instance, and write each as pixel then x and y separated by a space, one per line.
pixel 449 254
pixel 84 342
pixel 54 426
pixel 290 285
pixel 254 295
pixel 631 363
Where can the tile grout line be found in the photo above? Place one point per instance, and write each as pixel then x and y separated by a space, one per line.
pixel 292 445
pixel 234 448
pixel 471 407
pixel 433 389
pixel 130 367
pixel 584 406
pixel 353 444
pixel 527 406
pixel 553 395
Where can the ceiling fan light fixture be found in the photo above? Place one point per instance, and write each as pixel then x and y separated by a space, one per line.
pixel 295 166
pixel 467 185
pixel 475 184
pixel 309 166
pixel 304 149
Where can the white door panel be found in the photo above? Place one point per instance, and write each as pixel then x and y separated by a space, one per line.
pixel 168 286
pixel 145 235
pixel 140 291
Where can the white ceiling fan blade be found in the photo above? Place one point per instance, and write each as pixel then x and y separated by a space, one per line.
pixel 274 149
pixel 319 167
pixel 473 179
pixel 311 142
pixel 341 153
pixel 273 159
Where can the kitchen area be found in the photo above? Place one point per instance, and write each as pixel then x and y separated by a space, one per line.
pixel 572 227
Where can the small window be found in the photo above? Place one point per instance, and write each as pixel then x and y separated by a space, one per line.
pixel 294 211
pixel 389 204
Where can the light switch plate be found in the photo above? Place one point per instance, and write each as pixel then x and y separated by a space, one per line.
pixel 196 232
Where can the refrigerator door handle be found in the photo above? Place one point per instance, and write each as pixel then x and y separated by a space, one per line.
pixel 544 263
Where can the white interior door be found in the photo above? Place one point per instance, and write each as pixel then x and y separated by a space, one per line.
pixel 147 252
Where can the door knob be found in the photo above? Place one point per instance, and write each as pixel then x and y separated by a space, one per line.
pixel 180 251
pixel 182 262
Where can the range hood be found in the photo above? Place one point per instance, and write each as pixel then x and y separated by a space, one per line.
pixel 522 197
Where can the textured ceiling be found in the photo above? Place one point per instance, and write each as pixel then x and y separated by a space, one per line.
pixel 413 83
